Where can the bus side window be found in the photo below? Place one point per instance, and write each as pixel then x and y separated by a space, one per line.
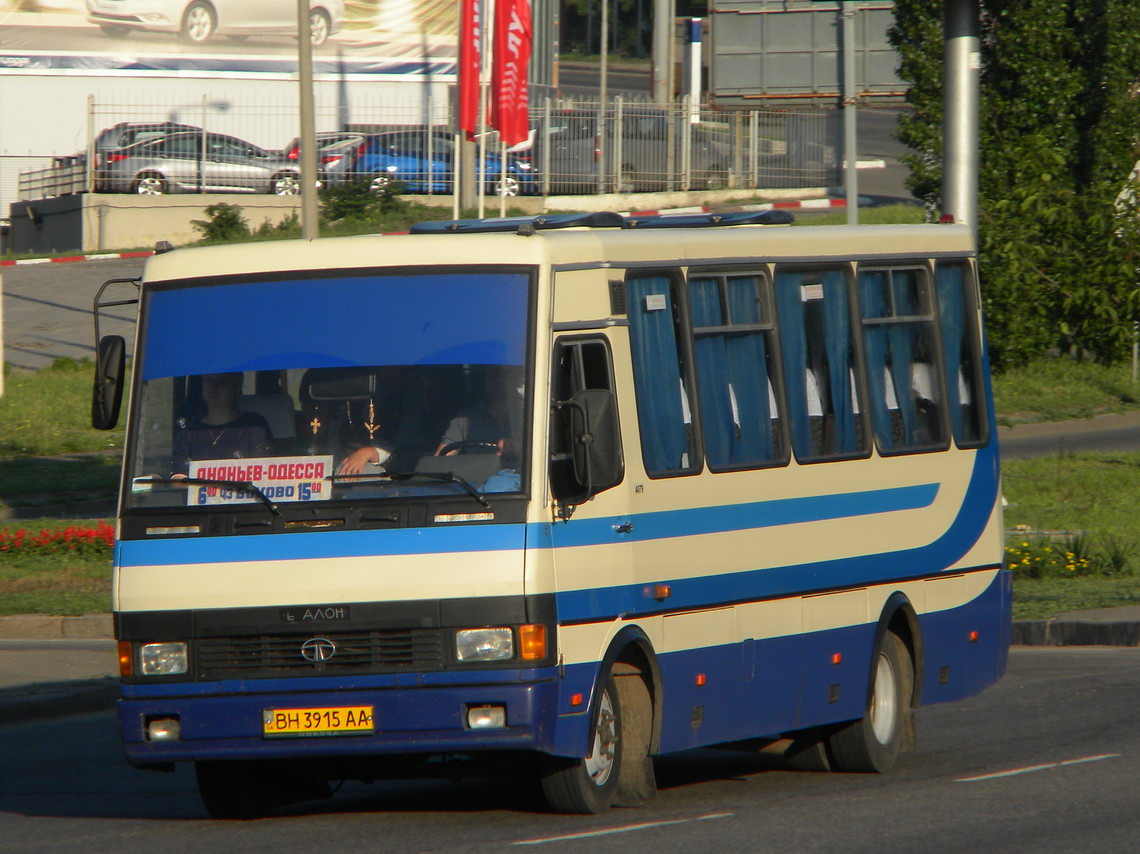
pixel 818 350
pixel 906 392
pixel 579 364
pixel 961 352
pixel 663 404
pixel 735 363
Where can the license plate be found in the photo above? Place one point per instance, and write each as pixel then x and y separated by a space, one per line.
pixel 338 720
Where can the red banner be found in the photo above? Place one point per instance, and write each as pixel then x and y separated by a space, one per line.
pixel 470 34
pixel 513 36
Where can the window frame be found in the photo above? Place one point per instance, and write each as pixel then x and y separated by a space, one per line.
pixel 767 326
pixel 928 296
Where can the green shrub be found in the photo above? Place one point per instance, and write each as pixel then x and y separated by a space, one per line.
pixel 225 224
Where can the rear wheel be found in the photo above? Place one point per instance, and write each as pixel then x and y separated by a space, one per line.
pixel 589 784
pixel 508 186
pixel 150 184
pixel 285 184
pixel 873 743
pixel 319 27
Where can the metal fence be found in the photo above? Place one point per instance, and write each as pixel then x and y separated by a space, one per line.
pixel 577 146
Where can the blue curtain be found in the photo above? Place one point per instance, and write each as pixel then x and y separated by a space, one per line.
pixel 664 437
pixel 748 373
pixel 873 304
pixel 790 310
pixel 902 355
pixel 952 311
pixel 838 347
pixel 717 425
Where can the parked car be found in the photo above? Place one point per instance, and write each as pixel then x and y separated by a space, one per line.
pixel 332 146
pixel 424 162
pixel 200 20
pixel 178 163
pixel 121 135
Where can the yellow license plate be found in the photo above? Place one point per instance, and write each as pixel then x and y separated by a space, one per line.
pixel 337 720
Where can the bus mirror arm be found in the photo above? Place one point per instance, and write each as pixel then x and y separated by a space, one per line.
pixel 107 391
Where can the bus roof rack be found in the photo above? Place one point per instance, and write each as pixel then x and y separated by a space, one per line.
pixel 521 224
pixel 769 217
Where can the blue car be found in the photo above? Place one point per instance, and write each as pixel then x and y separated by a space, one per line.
pixel 424 162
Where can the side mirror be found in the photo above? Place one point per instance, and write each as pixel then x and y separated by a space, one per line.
pixel 595 436
pixel 107 391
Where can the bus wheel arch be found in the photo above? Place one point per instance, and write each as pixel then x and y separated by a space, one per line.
pixel 873 742
pixel 624 730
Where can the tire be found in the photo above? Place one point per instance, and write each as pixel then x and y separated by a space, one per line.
pixel 873 743
pixel 199 23
pixel 320 27
pixel 508 186
pixel 234 790
pixel 637 782
pixel 285 184
pixel 808 751
pixel 589 785
pixel 150 184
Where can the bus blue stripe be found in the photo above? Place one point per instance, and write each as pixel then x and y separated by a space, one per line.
pixel 774 582
pixel 475 538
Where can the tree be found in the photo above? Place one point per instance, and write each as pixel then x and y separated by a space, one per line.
pixel 1059 114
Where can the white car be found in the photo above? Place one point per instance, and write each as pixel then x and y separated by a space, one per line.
pixel 200 20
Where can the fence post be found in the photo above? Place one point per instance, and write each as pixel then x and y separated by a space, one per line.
pixel 89 163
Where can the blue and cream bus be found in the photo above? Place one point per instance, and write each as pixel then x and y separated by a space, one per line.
pixel 577 490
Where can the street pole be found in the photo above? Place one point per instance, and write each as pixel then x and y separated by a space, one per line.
pixel 851 172
pixel 310 226
pixel 962 64
pixel 663 13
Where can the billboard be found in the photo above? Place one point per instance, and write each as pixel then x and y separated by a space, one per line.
pixel 790 52
pixel 226 37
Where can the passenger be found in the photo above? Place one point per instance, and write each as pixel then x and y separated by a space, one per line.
pixel 223 432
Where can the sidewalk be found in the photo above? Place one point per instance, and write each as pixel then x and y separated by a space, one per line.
pixel 57 666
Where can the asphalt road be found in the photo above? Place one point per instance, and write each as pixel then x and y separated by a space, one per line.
pixel 1044 761
pixel 47 309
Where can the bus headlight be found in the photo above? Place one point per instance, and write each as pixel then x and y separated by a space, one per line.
pixel 484 645
pixel 163 659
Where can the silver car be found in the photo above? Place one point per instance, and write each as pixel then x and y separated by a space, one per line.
pixel 200 20
pixel 197 163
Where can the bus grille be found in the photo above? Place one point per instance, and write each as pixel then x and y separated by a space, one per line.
pixel 383 651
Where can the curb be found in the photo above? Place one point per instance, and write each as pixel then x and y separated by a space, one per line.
pixel 69 258
pixel 49 627
pixel 804 204
pixel 1058 631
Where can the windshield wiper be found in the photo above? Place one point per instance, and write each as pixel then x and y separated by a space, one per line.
pixel 447 476
pixel 240 485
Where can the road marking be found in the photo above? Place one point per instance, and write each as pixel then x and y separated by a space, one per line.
pixel 627 828
pixel 1029 769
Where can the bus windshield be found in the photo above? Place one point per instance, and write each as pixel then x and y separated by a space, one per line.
pixel 329 388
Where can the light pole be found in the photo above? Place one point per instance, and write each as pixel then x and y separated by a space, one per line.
pixel 310 227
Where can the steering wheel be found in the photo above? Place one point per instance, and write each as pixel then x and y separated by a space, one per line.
pixel 469 445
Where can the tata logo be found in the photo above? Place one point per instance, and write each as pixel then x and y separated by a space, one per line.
pixel 317 650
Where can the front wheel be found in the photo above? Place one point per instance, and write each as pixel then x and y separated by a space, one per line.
pixel 589 784
pixel 873 742
pixel 199 23
pixel 234 790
